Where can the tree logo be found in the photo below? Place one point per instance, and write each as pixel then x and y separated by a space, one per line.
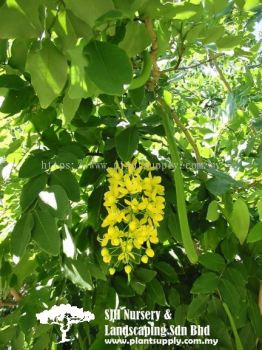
pixel 64 315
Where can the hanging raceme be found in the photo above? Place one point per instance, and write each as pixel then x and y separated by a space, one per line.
pixel 135 206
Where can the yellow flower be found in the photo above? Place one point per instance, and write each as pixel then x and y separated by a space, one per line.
pixel 112 271
pixel 107 258
pixel 115 173
pixel 135 206
pixel 128 269
pixel 144 259
pixel 150 252
pixel 104 252
pixel 133 225
pixel 143 204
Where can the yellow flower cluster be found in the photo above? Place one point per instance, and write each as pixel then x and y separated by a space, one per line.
pixel 135 205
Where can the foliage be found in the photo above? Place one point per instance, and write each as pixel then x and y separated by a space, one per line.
pixel 85 84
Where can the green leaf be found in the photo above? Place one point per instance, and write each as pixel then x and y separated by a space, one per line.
pixel 137 96
pixel 212 211
pixel 109 67
pixel 64 29
pixel 174 298
pixel 68 181
pixel 77 272
pixel 7 333
pixel 17 22
pixel 251 4
pixel 122 287
pixel 138 286
pixel 45 232
pixel 212 261
pixel 126 143
pixel 218 186
pixel 89 136
pixel 43 118
pixel 94 206
pixel 185 11
pixel 145 275
pixel 79 87
pixel 31 189
pixel 11 81
pixel 56 200
pixel 229 248
pixel 221 182
pixel 21 234
pixel 91 175
pixel 3 49
pixel 229 41
pixel 70 107
pixel 180 315
pixel 255 233
pixel 197 307
pixel 48 70
pixel 163 230
pixel 215 6
pixel 19 51
pixel 17 100
pixel 167 270
pixel 136 39
pixel 31 167
pixel 210 35
pixel 26 266
pixel 88 10
pixel 206 283
pixel 95 271
pixel 156 292
pixel 240 219
pixel 230 295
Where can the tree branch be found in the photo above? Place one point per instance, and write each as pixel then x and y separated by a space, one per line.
pixel 4 304
pixel 154 49
pixel 220 73
pixel 94 154
pixel 188 136
pixel 191 67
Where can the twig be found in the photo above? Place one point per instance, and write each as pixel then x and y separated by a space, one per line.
pixel 191 67
pixel 94 154
pixel 220 73
pixel 188 136
pixel 154 49
pixel 180 55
